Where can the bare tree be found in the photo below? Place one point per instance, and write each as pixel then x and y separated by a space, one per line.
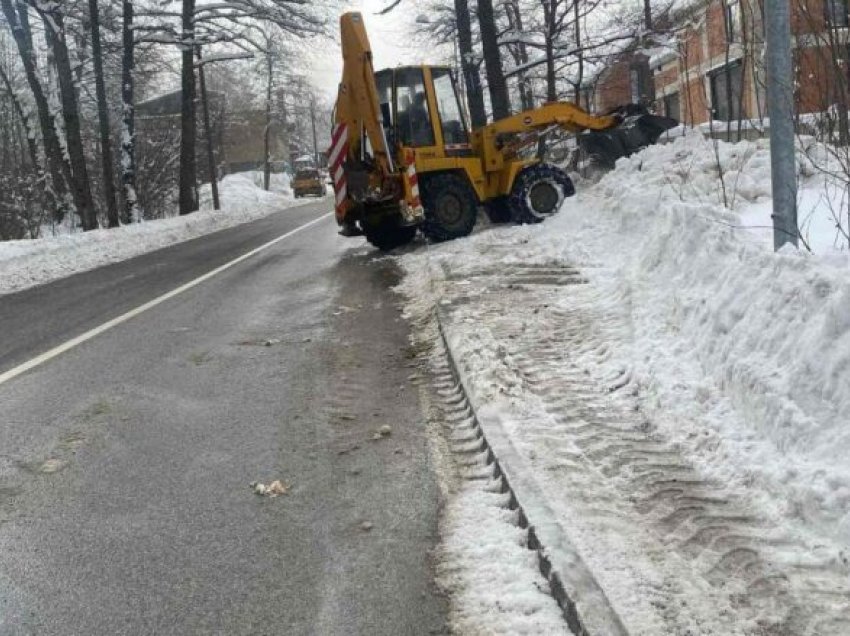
pixel 128 113
pixel 17 19
pixel 108 165
pixel 647 14
pixel 497 86
pixel 53 18
pixel 469 65
pixel 188 197
pixel 519 52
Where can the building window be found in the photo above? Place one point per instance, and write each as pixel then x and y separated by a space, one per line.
pixel 672 107
pixel 732 19
pixel 727 86
pixel 634 85
pixel 836 13
pixel 640 82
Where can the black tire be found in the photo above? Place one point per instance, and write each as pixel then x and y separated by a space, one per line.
pixel 499 210
pixel 451 207
pixel 538 192
pixel 386 233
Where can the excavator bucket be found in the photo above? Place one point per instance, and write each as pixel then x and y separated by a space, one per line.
pixel 638 130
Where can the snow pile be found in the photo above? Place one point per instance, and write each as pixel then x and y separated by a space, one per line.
pixel 770 332
pixel 737 357
pixel 823 202
pixel 31 262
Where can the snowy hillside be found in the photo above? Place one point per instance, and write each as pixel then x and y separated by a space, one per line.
pixel 649 335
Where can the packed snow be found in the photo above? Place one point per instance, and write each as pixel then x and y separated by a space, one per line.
pixel 485 564
pixel 62 252
pixel 648 335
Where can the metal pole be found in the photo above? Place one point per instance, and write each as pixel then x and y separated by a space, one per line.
pixel 780 106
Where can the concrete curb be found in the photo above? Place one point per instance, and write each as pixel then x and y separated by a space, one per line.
pixel 585 606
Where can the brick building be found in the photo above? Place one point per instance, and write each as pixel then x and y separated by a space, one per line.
pixel 711 65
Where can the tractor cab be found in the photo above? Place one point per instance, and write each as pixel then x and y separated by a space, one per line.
pixel 420 109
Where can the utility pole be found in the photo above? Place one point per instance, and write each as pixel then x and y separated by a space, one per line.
pixel 780 106
pixel 315 139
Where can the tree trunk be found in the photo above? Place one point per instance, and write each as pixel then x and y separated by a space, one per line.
pixel 205 106
pixel 188 164
pixel 837 61
pixel 29 133
pixel 54 32
pixel 267 131
pixel 580 53
pixel 498 87
pixel 60 174
pixel 103 118
pixel 647 14
pixel 549 9
pixel 469 67
pixel 128 116
pixel 515 21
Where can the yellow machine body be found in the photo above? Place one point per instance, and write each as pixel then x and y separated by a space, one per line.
pixel 407 124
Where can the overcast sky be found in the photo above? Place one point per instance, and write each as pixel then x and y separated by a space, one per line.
pixel 390 36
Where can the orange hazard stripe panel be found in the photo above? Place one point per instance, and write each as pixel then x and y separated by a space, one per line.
pixel 413 182
pixel 336 157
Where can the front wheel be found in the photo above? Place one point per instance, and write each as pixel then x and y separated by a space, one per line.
pixel 538 192
pixel 451 207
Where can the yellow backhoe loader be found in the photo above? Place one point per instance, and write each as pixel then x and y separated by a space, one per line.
pixel 402 158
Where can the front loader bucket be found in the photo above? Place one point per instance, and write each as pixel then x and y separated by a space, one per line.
pixel 636 132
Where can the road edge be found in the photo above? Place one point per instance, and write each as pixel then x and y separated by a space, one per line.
pixel 32 363
pixel 584 604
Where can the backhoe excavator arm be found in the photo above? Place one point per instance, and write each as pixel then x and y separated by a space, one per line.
pixel 357 110
pixel 568 116
pixel 495 139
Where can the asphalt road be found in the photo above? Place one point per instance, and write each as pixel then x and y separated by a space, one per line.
pixel 125 462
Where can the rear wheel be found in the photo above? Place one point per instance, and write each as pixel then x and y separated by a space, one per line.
pixel 451 207
pixel 538 192
pixel 386 232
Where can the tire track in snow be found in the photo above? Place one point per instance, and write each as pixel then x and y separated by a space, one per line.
pixel 703 558
pixel 486 562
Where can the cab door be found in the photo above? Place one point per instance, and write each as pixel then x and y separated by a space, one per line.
pixel 452 131
pixel 414 123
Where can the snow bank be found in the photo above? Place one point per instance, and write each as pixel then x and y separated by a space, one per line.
pixel 770 332
pixel 27 263
pixel 737 356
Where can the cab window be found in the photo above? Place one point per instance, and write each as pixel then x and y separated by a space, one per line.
pixel 454 129
pixel 413 121
pixel 384 82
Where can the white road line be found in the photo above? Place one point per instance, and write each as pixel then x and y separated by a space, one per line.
pixel 92 333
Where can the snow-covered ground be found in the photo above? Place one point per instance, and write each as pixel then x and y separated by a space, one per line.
pixel 60 253
pixel 681 392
